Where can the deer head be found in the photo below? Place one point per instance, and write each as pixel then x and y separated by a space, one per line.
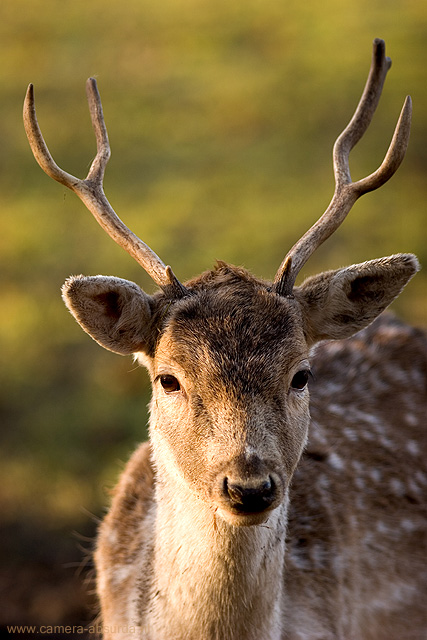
pixel 228 354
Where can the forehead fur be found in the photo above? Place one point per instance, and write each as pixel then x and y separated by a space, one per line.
pixel 234 329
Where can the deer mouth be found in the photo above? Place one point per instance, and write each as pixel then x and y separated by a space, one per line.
pixel 243 519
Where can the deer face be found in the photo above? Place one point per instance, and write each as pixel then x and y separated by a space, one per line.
pixel 230 400
pixel 229 367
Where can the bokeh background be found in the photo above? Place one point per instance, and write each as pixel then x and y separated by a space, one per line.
pixel 221 116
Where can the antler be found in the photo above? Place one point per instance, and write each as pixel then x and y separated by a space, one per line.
pixel 347 192
pixel 90 190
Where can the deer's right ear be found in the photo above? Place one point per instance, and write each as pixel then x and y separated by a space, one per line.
pixel 114 312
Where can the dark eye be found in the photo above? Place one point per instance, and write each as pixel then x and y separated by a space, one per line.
pixel 300 379
pixel 169 383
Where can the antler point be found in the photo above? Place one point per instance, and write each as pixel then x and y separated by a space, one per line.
pixel 29 95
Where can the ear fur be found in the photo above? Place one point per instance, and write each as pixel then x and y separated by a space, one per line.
pixel 114 312
pixel 337 304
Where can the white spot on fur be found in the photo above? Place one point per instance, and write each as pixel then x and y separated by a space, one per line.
pixel 414 487
pixel 397 486
pixel 323 482
pixel 337 409
pixel 360 501
pixel 371 419
pixel 397 592
pixel 386 443
pixel 318 555
pixel 382 528
pixel 350 434
pixel 408 525
pixel 360 483
pixel 336 462
pixel 412 447
pixel 368 435
pixel 358 467
pixel 375 475
pixel 421 477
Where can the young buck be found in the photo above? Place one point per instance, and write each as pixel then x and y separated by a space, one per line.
pixel 249 516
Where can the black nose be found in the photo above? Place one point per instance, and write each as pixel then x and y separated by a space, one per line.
pixel 253 496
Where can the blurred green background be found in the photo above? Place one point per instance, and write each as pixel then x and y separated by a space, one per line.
pixel 221 117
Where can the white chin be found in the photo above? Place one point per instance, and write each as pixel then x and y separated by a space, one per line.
pixel 243 520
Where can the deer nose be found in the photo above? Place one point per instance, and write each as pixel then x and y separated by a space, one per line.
pixel 250 496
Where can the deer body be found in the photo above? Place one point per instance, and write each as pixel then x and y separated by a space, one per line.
pixel 247 518
pixel 196 575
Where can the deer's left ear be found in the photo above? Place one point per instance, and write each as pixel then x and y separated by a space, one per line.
pixel 114 312
pixel 337 304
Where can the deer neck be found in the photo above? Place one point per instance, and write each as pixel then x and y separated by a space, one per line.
pixel 212 580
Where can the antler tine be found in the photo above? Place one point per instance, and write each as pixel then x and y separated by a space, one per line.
pixel 103 152
pixel 363 115
pixel 347 192
pixel 90 190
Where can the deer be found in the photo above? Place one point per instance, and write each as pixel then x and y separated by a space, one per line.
pixel 280 494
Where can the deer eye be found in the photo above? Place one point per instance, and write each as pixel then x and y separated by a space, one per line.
pixel 300 379
pixel 169 383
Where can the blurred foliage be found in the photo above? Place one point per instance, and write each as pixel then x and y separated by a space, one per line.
pixel 221 118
